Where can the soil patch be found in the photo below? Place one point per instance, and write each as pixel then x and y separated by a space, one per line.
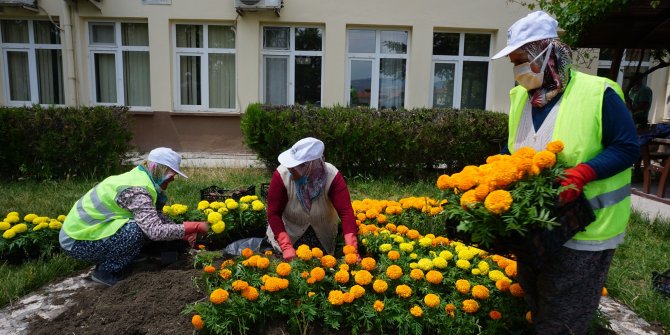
pixel 148 301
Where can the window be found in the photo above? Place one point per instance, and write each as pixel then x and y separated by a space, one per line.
pixel 205 66
pixel 292 65
pixel 377 67
pixel 33 62
pixel 119 56
pixel 460 70
pixel 629 62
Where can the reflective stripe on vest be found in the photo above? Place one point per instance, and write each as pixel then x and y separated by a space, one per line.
pixel 581 132
pixel 96 215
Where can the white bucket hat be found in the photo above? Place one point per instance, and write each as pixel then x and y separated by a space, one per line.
pixel 305 150
pixel 167 157
pixel 534 27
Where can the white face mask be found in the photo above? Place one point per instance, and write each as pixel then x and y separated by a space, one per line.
pixel 526 77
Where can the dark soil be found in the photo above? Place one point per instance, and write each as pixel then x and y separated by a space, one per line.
pixel 149 300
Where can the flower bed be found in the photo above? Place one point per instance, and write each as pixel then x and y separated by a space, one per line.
pixel 29 237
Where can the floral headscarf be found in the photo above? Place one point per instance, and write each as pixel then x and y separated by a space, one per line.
pixel 312 182
pixel 158 173
pixel 557 72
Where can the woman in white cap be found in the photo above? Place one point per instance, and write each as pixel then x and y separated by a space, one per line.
pixel 108 225
pixel 306 199
pixel 588 114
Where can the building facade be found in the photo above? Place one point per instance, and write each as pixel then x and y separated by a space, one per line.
pixel 188 68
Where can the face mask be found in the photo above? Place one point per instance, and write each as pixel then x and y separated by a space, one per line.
pixel 526 77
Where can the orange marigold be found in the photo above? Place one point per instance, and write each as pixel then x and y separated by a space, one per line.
pixel 529 317
pixel 378 306
pixel 247 252
pixel 368 263
pixel 349 249
pixel 555 146
pixel 498 202
pixel 225 273
pixel 357 290
pixel 336 298
pixel 262 262
pixel 342 277
pixel 444 182
pixel 250 293
pixel 197 322
pixel 416 311
pixel 283 269
pixel 380 286
pixel 449 308
pixel 317 273
pixel 495 315
pixel 363 277
pixel 209 269
pixel 431 300
pixel 481 191
pixel 381 218
pixel 328 261
pixel 403 291
pixel 516 290
pixel 316 252
pixel 470 306
pixel 480 292
pixel 510 269
pixel 391 227
pixel 503 285
pixel 348 297
pixel 416 274
pixel 402 229
pixel 413 234
pixel 393 255
pixel 544 159
pixel 239 285
pixel 525 152
pixel 463 286
pixel 468 199
pixel 350 258
pixel 218 296
pixel 604 292
pixel 434 277
pixel 394 272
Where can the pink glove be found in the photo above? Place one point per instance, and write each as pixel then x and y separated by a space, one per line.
pixel 190 238
pixel 577 176
pixel 352 240
pixel 191 227
pixel 285 245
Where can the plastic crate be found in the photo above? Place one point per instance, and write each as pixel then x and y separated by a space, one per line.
pixel 215 193
pixel 661 282
pixel 264 190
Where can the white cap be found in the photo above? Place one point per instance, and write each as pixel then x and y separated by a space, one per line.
pixel 167 157
pixel 534 27
pixel 305 150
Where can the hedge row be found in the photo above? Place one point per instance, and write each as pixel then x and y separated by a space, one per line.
pixel 403 144
pixel 62 142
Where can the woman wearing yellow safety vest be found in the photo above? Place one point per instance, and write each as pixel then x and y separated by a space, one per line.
pixel 587 113
pixel 109 224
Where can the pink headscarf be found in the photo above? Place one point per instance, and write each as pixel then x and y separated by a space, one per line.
pixel 307 190
pixel 557 72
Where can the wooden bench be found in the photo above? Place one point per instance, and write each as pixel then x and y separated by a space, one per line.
pixel 655 162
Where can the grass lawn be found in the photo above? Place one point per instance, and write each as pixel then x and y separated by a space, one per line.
pixel 646 248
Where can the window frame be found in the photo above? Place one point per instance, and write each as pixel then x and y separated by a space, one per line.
pixel 117 49
pixel 291 53
pixel 458 72
pixel 203 53
pixel 31 49
pixel 606 64
pixel 376 64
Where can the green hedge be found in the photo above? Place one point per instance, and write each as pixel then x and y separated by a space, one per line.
pixel 402 144
pixel 63 142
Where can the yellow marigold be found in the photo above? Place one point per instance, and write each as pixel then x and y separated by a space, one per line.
pixel 406 247
pixel 516 290
pixel 336 298
pixel 317 273
pixel 380 286
pixel 416 274
pixel 413 234
pixel 342 277
pixel 425 264
pixel 446 254
pixel 495 315
pixel 239 285
pixel 496 275
pixel 416 311
pixel 431 300
pixel 555 146
pixel 394 272
pixel 462 286
pixel 350 258
pixel 498 202
pixel 483 267
pixel 304 253
pixel 225 274
pixel 209 269
pixel 19 228
pixel 316 252
pixel 463 264
pixel 349 249
pixel 371 213
pixel 393 255
pixel 544 159
pixel 480 292
pixel 311 294
pixel 470 306
pixel 262 262
pixel 529 317
pixel 434 277
pixel 197 322
pixel 218 296
pixel 468 199
pixel 363 277
pixel 368 263
pixel 357 290
pixel 503 284
pixel 250 293
pixel 361 217
pixel 328 261
pixel 403 291
pixel 510 269
pixel 247 252
pixel 283 269
pixel 444 182
pixel 378 306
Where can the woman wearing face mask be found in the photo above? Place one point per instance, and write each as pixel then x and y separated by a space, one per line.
pixel 108 225
pixel 555 102
pixel 306 199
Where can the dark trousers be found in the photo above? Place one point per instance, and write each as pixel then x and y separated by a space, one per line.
pixel 563 294
pixel 113 253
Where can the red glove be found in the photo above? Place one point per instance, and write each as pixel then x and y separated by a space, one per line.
pixel 350 239
pixel 577 177
pixel 191 227
pixel 285 245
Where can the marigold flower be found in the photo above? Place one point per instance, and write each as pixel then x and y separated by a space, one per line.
pixel 416 311
pixel 402 229
pixel 510 269
pixel 503 284
pixel 394 272
pixel 391 227
pixel 468 199
pixel 604 292
pixel 529 317
pixel 463 264
pixel 496 275
pixel 498 202
pixel 336 298
pixel 480 292
pixel 317 273
pixel 555 146
pixel 363 277
pixel 368 263
pixel 403 291
pixel 225 274
pixel 470 306
pixel 434 277
pixel 344 267
pixel 283 269
pixel 219 227
pixel 416 274
pixel 483 267
pixel 342 277
pixel 413 234
pixel 462 286
pixel 449 308
pixel 357 290
pixel 350 258
pixel 262 263
pixel 381 218
pixel 250 293
pixel 197 322
pixel 348 297
pixel 495 315
pixel 218 296
pixel 378 306
pixel 464 181
pixel 209 269
pixel 406 247
pixel 304 253
pixel 544 159
pixel 328 261
pixel 425 264
pixel 444 182
pixel 380 286
pixel 239 285
pixel 311 294
pixel 431 300
pixel 516 290
pixel 349 249
pixel 393 255
pixel 361 217
pixel 19 228
pixel 446 254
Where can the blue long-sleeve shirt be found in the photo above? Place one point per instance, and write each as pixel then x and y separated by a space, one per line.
pixel 619 139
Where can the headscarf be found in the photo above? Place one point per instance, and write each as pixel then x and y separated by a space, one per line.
pixel 312 182
pixel 557 72
pixel 159 173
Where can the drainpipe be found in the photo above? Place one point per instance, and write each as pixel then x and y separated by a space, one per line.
pixel 69 55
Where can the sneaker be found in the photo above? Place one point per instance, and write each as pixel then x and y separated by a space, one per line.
pixel 104 277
